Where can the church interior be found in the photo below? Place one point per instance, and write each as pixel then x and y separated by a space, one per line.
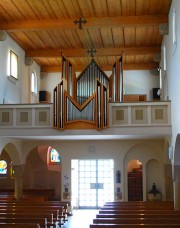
pixel 89 110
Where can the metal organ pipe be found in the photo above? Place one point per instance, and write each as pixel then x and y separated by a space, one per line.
pixel 61 106
pixel 120 82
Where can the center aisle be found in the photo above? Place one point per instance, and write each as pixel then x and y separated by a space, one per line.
pixel 81 218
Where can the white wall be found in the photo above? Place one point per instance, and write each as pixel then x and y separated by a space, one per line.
pixel 48 82
pixel 10 92
pixel 172 79
pixel 140 82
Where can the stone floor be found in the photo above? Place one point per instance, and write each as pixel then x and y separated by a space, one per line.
pixel 81 218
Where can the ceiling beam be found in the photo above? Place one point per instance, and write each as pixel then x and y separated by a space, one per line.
pixel 80 68
pixel 93 22
pixel 99 52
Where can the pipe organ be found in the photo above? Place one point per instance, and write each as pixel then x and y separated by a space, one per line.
pixel 82 102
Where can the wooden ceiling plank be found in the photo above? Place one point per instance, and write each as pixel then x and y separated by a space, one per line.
pixel 141 36
pixel 118 37
pixel 24 40
pixel 57 8
pixel 166 6
pixel 97 7
pixel 153 34
pixel 4 15
pixel 142 7
pixel 95 37
pixel 13 11
pixel 82 38
pixel 128 7
pixel 130 34
pixel 104 35
pixel 25 9
pixel 69 9
pixel 155 7
pixel 41 10
pixel 34 25
pixel 85 9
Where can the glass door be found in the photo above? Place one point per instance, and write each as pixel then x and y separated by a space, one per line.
pixel 95 182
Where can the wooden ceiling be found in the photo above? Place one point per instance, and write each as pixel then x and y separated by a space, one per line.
pixel 46 28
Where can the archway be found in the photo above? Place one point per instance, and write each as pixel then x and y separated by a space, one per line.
pixel 42 171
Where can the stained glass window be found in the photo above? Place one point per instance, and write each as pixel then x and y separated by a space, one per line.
pixel 3 167
pixel 54 156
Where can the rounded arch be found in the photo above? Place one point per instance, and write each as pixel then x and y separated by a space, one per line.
pixel 13 152
pixel 176 151
pixel 39 173
pixel 153 174
pixel 142 151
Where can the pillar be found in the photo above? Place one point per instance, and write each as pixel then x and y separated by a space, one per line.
pixel 177 195
pixel 18 173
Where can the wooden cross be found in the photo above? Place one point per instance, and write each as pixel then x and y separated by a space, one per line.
pixel 80 22
pixel 91 52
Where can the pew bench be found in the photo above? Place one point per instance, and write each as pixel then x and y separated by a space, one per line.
pixel 41 221
pixel 162 216
pixel 20 225
pixel 134 225
pixel 137 207
pixel 137 221
pixel 138 211
pixel 61 204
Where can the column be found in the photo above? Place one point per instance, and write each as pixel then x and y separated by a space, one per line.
pixel 177 195
pixel 18 173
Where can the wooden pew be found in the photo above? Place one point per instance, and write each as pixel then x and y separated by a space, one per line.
pixel 57 216
pixel 20 225
pixel 36 221
pixel 134 226
pixel 138 215
pixel 56 206
pixel 145 211
pixel 137 221
pixel 138 207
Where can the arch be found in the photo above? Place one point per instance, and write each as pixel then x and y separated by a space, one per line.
pixel 39 173
pixel 13 152
pixel 176 151
pixel 142 151
pixel 153 174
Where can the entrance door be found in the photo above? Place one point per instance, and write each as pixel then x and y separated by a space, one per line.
pixel 95 182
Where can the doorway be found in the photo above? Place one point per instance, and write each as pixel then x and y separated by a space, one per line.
pixel 135 186
pixel 92 182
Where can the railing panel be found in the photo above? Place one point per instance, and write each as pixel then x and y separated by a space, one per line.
pixel 26 115
pixel 139 114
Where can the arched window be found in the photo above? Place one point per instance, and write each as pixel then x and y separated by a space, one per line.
pixel 54 156
pixel 33 82
pixel 3 167
pixel 173 25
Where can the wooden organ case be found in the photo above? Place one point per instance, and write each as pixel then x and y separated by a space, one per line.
pixel 81 102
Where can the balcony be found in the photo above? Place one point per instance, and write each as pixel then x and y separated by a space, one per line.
pixel 125 120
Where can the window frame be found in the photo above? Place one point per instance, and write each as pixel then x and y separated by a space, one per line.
pixel 34 86
pixel 174 33
pixel 13 72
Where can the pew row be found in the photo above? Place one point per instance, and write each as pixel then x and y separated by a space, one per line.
pixel 134 225
pixel 137 221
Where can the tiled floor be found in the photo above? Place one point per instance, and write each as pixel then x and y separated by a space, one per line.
pixel 81 218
